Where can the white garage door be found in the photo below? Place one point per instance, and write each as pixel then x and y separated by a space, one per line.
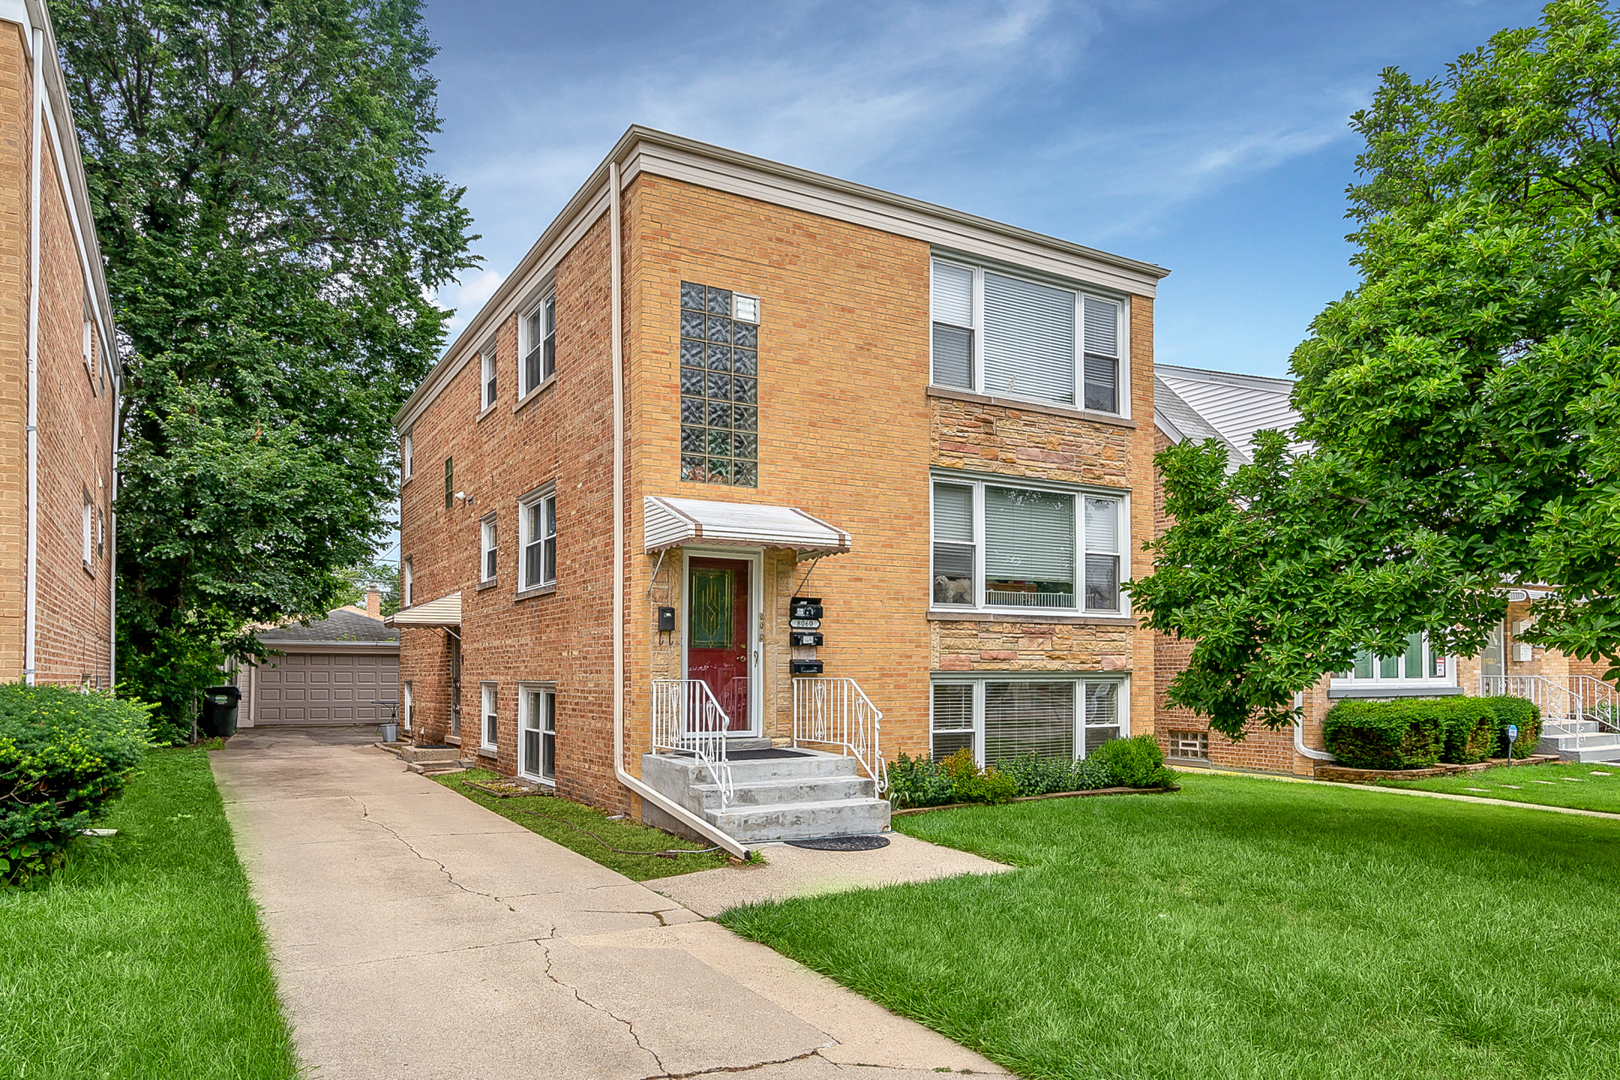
pixel 325 688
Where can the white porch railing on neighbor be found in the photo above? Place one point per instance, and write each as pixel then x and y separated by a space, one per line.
pixel 1564 705
pixel 686 719
pixel 837 713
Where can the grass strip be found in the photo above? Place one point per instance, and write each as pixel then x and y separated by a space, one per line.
pixel 1592 785
pixel 620 834
pixel 1244 928
pixel 144 956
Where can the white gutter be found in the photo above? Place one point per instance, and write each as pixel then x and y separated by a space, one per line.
pixel 648 794
pixel 31 601
pixel 1299 736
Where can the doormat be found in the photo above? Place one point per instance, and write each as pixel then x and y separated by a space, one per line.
pixel 842 843
pixel 763 755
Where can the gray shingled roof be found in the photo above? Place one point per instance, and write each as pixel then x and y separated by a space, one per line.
pixel 344 624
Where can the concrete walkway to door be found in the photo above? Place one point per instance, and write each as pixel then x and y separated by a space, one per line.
pixel 415 934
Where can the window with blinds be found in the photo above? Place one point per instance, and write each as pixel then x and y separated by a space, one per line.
pixel 1002 718
pixel 1004 335
pixel 999 546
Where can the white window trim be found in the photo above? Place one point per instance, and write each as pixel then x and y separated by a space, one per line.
pixel 545 689
pixel 407 583
pixel 488 378
pixel 407 704
pixel 406 452
pixel 488 715
pixel 978 481
pixel 525 313
pixel 1348 680
pixel 1123 386
pixel 978 679
pixel 87 531
pixel 488 541
pixel 547 491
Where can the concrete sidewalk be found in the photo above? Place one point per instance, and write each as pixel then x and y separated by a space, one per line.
pixel 415 934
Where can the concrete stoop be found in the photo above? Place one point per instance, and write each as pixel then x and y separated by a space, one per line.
pixel 811 794
pixel 426 760
pixel 1579 740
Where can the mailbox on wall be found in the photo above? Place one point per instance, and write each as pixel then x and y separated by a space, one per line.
pixel 804 637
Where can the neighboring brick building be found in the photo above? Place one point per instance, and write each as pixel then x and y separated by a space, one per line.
pixel 59 380
pixel 812 369
pixel 1191 404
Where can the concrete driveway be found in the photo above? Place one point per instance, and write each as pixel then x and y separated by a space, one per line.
pixel 415 934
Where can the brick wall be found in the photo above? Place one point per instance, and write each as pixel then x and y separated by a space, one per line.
pixel 75 415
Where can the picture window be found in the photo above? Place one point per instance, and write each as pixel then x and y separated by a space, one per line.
pixel 1001 719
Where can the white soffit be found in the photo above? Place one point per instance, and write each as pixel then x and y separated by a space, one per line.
pixel 445 611
pixel 675 522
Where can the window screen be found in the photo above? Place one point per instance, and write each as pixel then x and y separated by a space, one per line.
pixel 719 389
pixel 953 544
pixel 1028 718
pixel 953 326
pixel 1102 355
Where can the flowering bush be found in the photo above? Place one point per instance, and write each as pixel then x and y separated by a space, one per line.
pixel 64 755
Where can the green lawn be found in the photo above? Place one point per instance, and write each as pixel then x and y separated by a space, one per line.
pixel 1245 928
pixel 144 956
pixel 1589 786
pixel 626 835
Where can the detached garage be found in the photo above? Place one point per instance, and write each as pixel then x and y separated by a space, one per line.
pixel 329 672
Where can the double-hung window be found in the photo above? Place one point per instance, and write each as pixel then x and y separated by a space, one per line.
pixel 1009 336
pixel 1000 718
pixel 407 583
pixel 487 728
pixel 487 556
pixel 537 524
pixel 405 450
pixel 539 345
pixel 1004 545
pixel 87 529
pixel 537 729
pixel 488 381
pixel 1418 666
pixel 407 704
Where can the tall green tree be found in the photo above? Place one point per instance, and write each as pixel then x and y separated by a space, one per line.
pixel 1462 405
pixel 258 172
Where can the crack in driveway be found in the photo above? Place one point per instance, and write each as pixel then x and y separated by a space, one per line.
pixel 365 815
pixel 628 1024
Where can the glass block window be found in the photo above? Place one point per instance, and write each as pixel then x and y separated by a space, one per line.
pixel 1190 744
pixel 719 386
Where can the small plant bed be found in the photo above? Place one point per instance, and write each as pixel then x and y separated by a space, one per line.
pixel 1588 785
pixel 1121 764
pixel 1256 929
pixel 1345 775
pixel 143 956
pixel 588 831
pixel 1051 795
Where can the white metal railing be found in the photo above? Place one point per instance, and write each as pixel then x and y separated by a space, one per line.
pixel 837 713
pixel 1567 708
pixel 687 720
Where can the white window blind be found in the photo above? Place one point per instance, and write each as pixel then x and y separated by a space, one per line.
pixel 953 544
pixel 1102 554
pixel 1028 718
pixel 1028 548
pixel 1028 340
pixel 953 325
pixel 1102 354
pixel 953 719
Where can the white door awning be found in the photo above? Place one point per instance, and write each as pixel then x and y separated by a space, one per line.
pixel 676 522
pixel 445 611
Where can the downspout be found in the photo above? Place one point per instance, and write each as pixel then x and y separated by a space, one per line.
pixel 1299 735
pixel 112 528
pixel 648 794
pixel 36 167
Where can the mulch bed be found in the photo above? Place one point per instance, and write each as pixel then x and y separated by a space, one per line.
pixel 1345 775
pixel 1038 798
pixel 503 790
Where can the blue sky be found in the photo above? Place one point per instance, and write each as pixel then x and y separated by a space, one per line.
pixel 1209 137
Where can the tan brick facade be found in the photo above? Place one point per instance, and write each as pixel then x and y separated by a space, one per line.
pixel 76 410
pixel 848 432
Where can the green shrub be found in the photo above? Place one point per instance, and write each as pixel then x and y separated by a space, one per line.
pixel 1522 712
pixel 1468 729
pixel 1403 734
pixel 64 755
pixel 916 781
pixel 969 783
pixel 1135 762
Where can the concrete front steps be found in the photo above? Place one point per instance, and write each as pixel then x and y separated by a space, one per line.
pixel 431 761
pixel 810 794
pixel 1578 740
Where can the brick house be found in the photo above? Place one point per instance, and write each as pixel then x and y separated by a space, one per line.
pixel 881 469
pixel 1193 404
pixel 59 380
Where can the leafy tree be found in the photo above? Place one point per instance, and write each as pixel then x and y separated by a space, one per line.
pixel 257 170
pixel 1461 407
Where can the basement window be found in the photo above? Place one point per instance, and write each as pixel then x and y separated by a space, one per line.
pixel 719 386
pixel 1190 744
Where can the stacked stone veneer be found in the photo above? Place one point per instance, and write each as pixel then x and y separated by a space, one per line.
pixel 848 432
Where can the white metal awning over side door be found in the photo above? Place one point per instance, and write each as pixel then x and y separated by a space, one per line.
pixel 445 611
pixel 676 522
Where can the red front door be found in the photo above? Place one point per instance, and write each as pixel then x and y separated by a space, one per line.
pixel 717 632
